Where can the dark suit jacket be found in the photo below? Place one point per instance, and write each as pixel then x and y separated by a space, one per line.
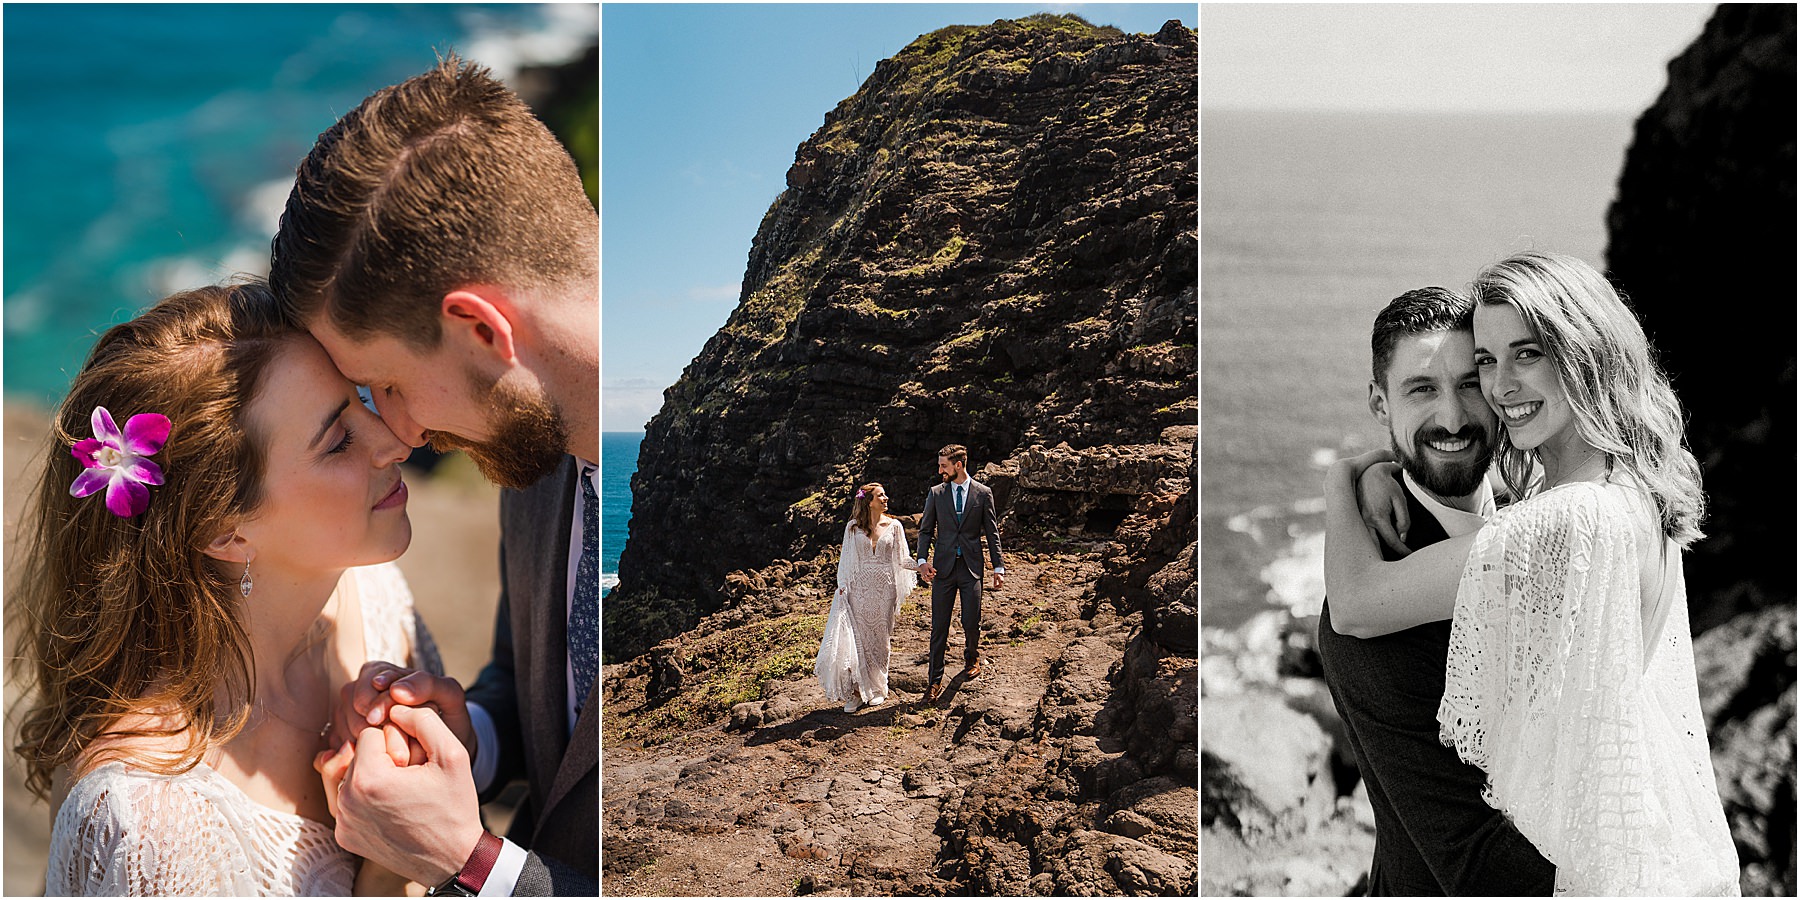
pixel 1434 835
pixel 939 530
pixel 524 689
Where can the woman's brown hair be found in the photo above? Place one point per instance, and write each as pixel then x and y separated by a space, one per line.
pixel 128 615
pixel 862 515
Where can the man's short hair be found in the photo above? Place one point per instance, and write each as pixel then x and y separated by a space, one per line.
pixel 443 181
pixel 955 453
pixel 1420 311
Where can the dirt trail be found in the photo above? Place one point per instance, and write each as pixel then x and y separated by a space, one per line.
pixel 823 801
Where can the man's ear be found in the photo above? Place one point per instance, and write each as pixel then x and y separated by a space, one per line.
pixel 1378 403
pixel 485 315
pixel 230 547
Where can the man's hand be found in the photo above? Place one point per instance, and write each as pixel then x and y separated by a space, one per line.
pixel 1382 502
pixel 381 686
pixel 999 582
pixel 420 821
pixel 332 765
pixel 929 571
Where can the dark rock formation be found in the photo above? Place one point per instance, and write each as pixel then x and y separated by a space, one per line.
pixel 1702 239
pixel 993 243
pixel 567 98
pixel 1703 227
pixel 1746 669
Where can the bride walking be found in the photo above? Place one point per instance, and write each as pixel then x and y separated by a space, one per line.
pixel 875 573
pixel 200 574
pixel 1571 678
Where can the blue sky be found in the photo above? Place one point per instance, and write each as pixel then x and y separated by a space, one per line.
pixel 702 106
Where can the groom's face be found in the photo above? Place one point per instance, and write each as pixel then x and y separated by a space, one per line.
pixel 948 470
pixel 1431 403
pixel 513 432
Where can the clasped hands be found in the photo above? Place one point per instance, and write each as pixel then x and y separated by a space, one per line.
pixel 398 779
pixel 929 571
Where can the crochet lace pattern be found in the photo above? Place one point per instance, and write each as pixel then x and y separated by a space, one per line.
pixel 1595 750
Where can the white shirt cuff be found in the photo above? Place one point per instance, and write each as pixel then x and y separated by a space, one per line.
pixel 504 876
pixel 999 570
pixel 487 752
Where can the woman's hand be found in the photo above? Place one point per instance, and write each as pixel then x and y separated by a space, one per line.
pixel 1382 502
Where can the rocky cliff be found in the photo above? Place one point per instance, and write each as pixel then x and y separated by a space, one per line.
pixel 993 243
pixel 1704 223
pixel 1701 236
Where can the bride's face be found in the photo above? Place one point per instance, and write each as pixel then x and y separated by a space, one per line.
pixel 332 494
pixel 1518 379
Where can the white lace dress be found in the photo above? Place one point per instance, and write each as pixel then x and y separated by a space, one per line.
pixel 872 583
pixel 1597 754
pixel 125 831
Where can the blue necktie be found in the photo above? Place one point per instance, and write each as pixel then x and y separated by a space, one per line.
pixel 584 616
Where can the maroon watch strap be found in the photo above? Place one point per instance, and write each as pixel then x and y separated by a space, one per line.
pixel 474 873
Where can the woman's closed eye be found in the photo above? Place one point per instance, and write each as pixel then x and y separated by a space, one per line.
pixel 344 443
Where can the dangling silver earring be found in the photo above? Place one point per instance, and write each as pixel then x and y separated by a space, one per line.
pixel 244 584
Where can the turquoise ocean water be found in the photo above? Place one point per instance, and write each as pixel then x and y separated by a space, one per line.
pixel 1310 223
pixel 618 459
pixel 149 148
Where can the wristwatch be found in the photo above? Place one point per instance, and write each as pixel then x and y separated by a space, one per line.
pixel 467 882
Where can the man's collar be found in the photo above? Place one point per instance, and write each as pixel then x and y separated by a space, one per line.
pixel 1455 521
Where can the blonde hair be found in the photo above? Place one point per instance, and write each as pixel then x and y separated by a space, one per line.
pixel 117 616
pixel 1623 404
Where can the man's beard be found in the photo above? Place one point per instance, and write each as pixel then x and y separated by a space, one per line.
pixel 1446 479
pixel 529 437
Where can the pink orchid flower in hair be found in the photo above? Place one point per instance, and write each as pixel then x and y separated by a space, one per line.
pixel 116 461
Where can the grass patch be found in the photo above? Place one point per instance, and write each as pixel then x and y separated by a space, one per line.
pixel 950 251
pixel 732 667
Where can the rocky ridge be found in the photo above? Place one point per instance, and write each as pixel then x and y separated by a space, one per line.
pixel 992 243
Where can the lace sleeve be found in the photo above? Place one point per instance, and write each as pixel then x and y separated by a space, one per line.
pixel 845 560
pixel 1543 689
pixel 903 565
pixel 122 835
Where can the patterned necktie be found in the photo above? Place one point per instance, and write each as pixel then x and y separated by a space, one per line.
pixel 584 616
pixel 959 508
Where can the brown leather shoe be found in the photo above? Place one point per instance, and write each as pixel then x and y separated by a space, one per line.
pixel 974 669
pixel 934 692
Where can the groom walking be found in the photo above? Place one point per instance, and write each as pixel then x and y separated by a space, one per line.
pixel 958 511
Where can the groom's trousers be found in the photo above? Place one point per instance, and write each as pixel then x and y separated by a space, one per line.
pixel 959 581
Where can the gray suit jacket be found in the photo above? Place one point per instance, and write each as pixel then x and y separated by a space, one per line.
pixel 524 689
pixel 939 530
